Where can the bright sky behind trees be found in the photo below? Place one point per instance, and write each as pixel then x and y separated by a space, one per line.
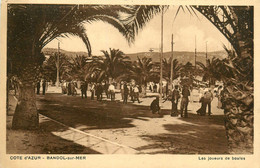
pixel 102 36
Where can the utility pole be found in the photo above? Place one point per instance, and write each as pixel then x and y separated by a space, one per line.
pixel 206 51
pixel 171 78
pixel 161 56
pixel 195 53
pixel 58 66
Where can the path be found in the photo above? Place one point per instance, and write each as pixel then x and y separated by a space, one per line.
pixel 133 125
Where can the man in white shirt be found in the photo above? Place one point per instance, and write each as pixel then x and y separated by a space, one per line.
pixel 111 90
pixel 136 94
pixel 93 90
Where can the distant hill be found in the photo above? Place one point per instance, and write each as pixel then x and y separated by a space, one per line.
pixel 182 56
pixel 50 51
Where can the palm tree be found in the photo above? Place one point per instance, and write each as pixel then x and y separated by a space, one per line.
pixel 49 67
pixel 112 65
pixel 31 27
pixel 239 99
pixel 238 102
pixel 239 88
pixel 211 71
pixel 187 69
pixel 167 69
pixel 79 67
pixel 142 70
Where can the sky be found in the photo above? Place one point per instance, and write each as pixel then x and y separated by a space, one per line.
pixel 185 28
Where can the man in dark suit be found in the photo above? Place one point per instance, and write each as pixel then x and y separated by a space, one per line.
pixel 185 101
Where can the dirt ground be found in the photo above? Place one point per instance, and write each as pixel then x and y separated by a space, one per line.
pixel 132 125
pixel 41 141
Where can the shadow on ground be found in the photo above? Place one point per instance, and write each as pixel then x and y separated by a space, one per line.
pixel 42 141
pixel 74 112
pixel 193 135
pixel 201 135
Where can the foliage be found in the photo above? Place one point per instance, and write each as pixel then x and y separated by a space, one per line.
pixel 78 68
pixel 212 71
pixel 112 65
pixel 238 81
pixel 176 66
pixel 187 69
pixel 138 15
pixel 50 67
pixel 142 70
pixel 31 27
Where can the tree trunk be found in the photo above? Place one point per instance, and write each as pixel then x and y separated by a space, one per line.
pixel 26 115
pixel 239 124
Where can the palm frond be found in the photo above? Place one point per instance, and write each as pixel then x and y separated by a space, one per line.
pixel 201 65
pixel 139 16
pixel 123 29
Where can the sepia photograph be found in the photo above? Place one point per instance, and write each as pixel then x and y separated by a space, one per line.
pixel 102 79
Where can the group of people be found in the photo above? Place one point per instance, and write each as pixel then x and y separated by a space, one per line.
pixel 97 89
pixel 174 97
pixel 69 88
pixel 184 93
pixel 131 91
pixel 205 100
pixel 126 90
pixel 154 88
pixel 43 84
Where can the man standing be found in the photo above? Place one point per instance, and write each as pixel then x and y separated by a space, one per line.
pixel 185 101
pixel 208 97
pixel 92 90
pixel 155 88
pixel 83 88
pixel 164 90
pixel 175 99
pixel 63 87
pixel 106 85
pixel 136 94
pixel 125 94
pixel 43 87
pixel 69 88
pixel 132 92
pixel 38 87
pixel 150 87
pixel 99 92
pixel 111 90
pixel 73 88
